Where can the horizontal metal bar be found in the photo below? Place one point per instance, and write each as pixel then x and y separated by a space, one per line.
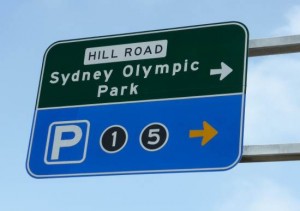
pixel 276 45
pixel 273 152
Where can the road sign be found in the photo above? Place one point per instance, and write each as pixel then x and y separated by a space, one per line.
pixel 158 101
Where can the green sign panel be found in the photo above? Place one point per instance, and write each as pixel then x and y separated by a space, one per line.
pixel 180 62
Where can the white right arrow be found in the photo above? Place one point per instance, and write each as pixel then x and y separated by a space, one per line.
pixel 223 72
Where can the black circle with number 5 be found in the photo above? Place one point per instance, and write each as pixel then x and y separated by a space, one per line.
pixel 154 136
pixel 113 139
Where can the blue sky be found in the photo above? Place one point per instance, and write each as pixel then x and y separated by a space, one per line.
pixel 272 108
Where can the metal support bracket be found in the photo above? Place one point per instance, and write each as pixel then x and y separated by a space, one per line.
pixel 273 152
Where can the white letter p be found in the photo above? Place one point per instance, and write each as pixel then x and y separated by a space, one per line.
pixel 58 142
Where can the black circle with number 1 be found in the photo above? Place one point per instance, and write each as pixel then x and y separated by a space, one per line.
pixel 113 139
pixel 154 136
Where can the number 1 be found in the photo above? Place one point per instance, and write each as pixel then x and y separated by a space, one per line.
pixel 114 135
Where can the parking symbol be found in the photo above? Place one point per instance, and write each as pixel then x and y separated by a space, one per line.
pixel 67 142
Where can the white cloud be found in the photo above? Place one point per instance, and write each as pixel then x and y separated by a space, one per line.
pixel 292 26
pixel 259 195
pixel 273 100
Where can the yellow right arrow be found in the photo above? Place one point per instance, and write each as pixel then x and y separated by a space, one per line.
pixel 207 133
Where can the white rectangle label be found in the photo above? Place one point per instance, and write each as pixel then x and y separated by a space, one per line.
pixel 126 52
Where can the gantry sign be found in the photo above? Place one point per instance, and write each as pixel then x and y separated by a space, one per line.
pixel 158 101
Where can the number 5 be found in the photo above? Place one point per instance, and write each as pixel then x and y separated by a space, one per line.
pixel 153 133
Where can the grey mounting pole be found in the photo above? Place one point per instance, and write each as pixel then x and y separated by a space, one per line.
pixel 276 45
pixel 274 152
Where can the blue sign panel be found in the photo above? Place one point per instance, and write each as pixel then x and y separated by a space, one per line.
pixel 139 137
pixel 152 102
